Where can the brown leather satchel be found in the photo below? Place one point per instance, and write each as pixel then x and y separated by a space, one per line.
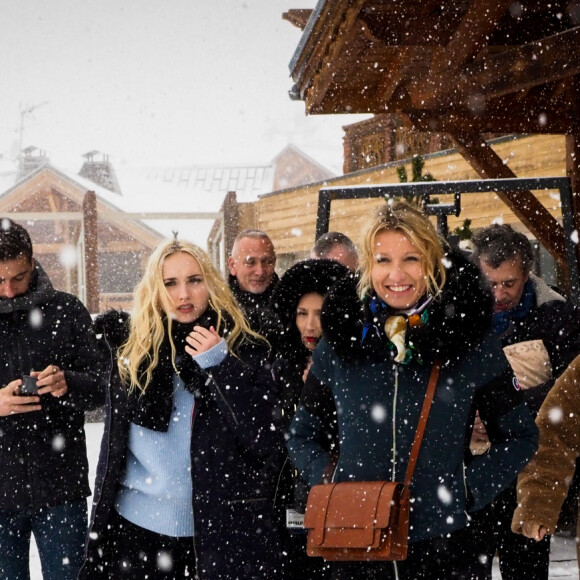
pixel 365 520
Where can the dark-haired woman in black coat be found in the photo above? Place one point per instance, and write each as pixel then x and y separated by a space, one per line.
pixel 297 301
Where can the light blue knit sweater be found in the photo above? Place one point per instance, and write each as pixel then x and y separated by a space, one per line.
pixel 155 491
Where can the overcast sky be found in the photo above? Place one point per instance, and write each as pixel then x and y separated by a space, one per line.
pixel 156 82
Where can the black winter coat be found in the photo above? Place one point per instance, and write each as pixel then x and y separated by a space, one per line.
pixel 236 450
pixel 256 308
pixel 43 458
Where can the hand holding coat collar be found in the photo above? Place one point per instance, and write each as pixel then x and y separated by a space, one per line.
pixel 152 409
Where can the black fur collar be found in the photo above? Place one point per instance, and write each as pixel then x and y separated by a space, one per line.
pixel 459 318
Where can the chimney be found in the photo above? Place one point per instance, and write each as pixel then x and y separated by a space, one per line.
pixel 29 161
pixel 99 170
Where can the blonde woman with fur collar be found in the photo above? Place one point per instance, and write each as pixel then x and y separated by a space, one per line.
pixel 189 455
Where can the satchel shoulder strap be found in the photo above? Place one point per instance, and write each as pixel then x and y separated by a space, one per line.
pixel 422 421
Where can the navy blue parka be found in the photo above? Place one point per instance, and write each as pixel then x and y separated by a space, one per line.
pixel 372 393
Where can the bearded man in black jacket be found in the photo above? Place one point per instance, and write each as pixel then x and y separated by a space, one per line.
pixel 50 374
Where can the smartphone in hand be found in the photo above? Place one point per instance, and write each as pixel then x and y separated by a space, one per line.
pixel 28 386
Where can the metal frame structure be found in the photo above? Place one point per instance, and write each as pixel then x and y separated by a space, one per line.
pixel 425 189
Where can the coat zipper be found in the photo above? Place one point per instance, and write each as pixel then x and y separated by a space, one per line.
pixel 394 421
pixel 464 469
pixel 279 478
pixel 211 379
pixel 394 459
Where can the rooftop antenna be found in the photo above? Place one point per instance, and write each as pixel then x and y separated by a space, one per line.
pixel 25 111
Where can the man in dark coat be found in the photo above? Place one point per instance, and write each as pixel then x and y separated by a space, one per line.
pixel 46 335
pixel 252 278
pixel 539 333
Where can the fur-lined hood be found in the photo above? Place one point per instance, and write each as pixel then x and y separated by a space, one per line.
pixel 458 318
pixel 300 279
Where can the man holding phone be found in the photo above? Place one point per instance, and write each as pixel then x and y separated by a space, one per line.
pixel 50 373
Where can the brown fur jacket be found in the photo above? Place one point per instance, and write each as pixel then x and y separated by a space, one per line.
pixel 543 483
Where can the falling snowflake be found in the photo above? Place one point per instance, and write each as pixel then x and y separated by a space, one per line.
pixel 58 443
pixel 444 495
pixel 35 318
pixel 164 562
pixel 556 415
pixel 68 257
pixel 378 413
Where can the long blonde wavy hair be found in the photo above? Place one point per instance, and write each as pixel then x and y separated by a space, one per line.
pixel 151 321
pixel 408 219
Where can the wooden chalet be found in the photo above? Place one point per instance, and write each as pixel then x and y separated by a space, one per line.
pixel 290 216
pixel 93 231
pixel 290 169
pixel 99 260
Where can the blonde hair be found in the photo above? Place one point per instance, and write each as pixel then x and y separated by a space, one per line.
pixel 404 217
pixel 150 322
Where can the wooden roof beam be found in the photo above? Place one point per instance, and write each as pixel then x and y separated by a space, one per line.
pixel 298 17
pixel 425 22
pixel 316 44
pixel 391 79
pixel 516 69
pixel 467 41
pixel 471 35
pixel 400 62
pixel 553 58
pixel 501 116
pixel 523 203
pixel 334 59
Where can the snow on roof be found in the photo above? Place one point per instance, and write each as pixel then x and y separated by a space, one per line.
pixel 200 184
pixel 189 189
pixel 186 189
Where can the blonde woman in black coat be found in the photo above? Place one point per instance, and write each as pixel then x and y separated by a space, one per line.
pixel 378 379
pixel 186 475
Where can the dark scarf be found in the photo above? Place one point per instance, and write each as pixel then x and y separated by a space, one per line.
pixel 249 299
pixel 40 291
pixel 153 408
pixel 502 319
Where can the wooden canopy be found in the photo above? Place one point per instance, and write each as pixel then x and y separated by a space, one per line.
pixel 468 68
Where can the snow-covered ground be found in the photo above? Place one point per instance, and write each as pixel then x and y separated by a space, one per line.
pixel 563 563
pixel 563 557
